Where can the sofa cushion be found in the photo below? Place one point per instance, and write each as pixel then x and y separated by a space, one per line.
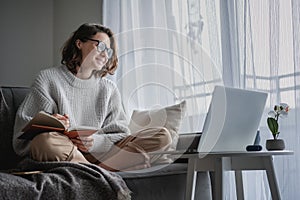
pixel 169 117
pixel 157 170
pixel 165 182
pixel 10 99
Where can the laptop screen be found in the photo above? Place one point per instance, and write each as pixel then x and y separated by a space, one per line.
pixel 232 119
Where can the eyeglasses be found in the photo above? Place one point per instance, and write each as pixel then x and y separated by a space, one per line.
pixel 101 46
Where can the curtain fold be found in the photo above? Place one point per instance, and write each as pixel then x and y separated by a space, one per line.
pixel 293 190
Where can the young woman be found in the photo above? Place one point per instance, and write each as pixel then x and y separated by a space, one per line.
pixel 77 93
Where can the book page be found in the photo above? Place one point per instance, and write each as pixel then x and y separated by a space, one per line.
pixel 44 122
pixel 44 119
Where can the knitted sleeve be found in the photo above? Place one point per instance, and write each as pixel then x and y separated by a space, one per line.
pixel 115 126
pixel 37 99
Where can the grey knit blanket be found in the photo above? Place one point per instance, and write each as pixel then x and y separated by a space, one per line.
pixel 61 180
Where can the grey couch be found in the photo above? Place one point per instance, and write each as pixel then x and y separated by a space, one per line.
pixel 158 182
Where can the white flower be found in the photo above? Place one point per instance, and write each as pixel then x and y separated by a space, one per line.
pixel 283 110
pixel 280 110
pixel 272 114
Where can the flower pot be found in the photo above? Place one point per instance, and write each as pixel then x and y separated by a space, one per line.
pixel 272 144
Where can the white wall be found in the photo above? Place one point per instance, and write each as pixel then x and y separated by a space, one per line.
pixel 33 31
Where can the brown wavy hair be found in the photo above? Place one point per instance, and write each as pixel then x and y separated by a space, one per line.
pixel 72 56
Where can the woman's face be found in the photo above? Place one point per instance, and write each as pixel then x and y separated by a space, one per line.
pixel 92 59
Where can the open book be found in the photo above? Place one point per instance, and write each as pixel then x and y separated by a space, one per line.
pixel 44 122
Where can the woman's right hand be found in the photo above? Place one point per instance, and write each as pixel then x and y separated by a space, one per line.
pixel 63 118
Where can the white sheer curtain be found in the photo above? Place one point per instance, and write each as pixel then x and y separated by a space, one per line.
pixel 168 51
pixel 265 55
pixel 174 50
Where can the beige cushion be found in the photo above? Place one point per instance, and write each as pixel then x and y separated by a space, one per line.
pixel 169 117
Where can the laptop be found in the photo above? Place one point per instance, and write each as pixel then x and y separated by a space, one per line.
pixel 232 120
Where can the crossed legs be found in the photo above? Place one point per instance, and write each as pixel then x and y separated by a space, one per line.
pixel 132 151
pixel 128 154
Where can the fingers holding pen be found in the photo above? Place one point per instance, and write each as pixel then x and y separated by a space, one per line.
pixel 63 118
pixel 84 144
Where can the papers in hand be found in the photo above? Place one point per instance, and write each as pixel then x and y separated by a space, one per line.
pixel 44 122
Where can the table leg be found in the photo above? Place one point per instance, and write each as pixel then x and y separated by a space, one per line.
pixel 219 177
pixel 239 185
pixel 191 179
pixel 268 161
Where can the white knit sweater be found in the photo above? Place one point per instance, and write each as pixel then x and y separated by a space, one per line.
pixel 94 102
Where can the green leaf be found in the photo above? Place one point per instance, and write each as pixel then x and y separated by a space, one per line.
pixel 273 125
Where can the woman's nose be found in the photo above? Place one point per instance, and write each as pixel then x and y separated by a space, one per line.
pixel 104 53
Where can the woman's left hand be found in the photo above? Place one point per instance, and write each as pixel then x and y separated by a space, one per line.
pixel 84 144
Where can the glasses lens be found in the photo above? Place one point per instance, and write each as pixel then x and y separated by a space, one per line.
pixel 101 46
pixel 109 52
